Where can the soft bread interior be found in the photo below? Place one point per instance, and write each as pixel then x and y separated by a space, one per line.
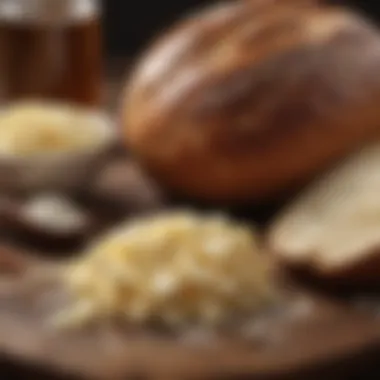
pixel 335 224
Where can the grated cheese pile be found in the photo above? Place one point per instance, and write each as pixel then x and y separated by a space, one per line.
pixel 175 268
pixel 33 128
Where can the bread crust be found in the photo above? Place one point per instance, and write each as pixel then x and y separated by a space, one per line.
pixel 242 102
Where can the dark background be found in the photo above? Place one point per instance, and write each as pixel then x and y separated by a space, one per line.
pixel 131 24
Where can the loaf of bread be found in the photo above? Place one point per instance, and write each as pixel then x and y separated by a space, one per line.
pixel 241 103
pixel 333 229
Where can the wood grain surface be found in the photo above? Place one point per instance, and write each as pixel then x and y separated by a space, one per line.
pixel 312 335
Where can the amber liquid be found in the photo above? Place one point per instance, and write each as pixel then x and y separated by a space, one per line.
pixel 51 62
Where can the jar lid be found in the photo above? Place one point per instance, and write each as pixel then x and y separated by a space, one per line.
pixel 48 11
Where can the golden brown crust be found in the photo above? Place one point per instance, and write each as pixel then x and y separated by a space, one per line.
pixel 242 103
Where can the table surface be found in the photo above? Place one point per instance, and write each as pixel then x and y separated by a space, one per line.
pixel 340 340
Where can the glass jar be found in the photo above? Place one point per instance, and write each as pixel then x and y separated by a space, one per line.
pixel 51 49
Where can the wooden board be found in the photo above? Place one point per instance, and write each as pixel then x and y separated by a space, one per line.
pixel 310 337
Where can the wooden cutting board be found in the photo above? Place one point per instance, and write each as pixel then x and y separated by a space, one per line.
pixel 310 336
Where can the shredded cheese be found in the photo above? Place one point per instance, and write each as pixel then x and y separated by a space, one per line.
pixel 175 268
pixel 33 128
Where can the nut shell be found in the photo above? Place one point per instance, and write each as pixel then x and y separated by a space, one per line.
pixel 242 103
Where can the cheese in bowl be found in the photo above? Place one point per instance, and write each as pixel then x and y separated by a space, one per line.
pixel 175 268
pixel 45 145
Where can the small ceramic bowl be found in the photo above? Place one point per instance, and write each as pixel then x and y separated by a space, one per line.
pixel 61 172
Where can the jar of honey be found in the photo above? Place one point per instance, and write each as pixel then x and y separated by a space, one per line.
pixel 51 49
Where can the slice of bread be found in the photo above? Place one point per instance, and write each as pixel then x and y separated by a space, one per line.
pixel 334 227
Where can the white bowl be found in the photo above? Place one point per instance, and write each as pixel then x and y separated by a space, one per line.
pixel 58 171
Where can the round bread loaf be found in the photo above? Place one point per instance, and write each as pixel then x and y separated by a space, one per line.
pixel 241 102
